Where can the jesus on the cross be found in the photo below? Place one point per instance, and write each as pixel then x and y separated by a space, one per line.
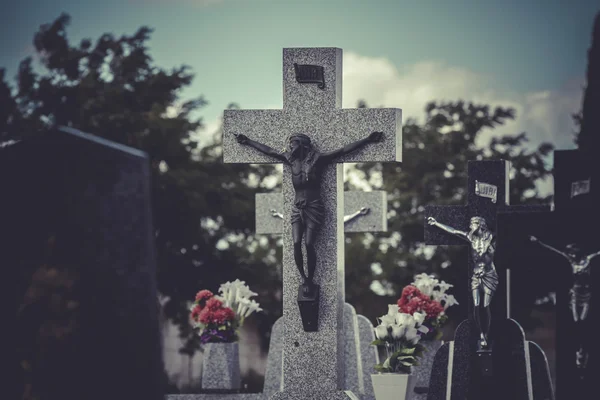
pixel 307 165
pixel 581 291
pixel 485 278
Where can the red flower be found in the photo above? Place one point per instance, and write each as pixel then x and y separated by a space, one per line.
pixel 195 312
pixel 413 300
pixel 214 304
pixel 223 315
pixel 202 296
pixel 206 316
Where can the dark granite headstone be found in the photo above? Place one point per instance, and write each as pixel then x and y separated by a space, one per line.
pixel 78 245
pixel 575 217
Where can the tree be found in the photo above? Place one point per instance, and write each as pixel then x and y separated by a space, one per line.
pixel 589 118
pixel 203 209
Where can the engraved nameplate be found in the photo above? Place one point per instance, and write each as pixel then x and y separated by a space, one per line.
pixel 486 190
pixel 310 74
pixel 580 187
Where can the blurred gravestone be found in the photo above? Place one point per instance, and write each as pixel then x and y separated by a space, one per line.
pixel 77 235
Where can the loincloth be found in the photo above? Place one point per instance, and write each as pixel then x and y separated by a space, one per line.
pixel 484 279
pixel 311 214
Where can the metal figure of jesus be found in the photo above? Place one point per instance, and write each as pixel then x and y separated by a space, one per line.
pixel 307 165
pixel 484 279
pixel 580 294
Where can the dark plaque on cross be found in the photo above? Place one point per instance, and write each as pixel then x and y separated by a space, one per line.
pixel 558 252
pixel 310 74
pixel 488 346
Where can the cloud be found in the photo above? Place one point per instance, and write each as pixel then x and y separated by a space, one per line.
pixel 544 115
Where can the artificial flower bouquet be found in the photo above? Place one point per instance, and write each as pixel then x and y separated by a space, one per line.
pixel 219 317
pixel 399 333
pixel 428 296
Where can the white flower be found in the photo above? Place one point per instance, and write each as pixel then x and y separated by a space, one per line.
pixel 419 317
pixel 423 329
pixel 426 287
pixel 412 335
pixel 449 301
pixel 398 331
pixel 381 332
pixel 248 307
pixel 443 286
pixel 390 318
pixel 405 319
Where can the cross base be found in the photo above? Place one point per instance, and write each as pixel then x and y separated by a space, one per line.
pixel 325 395
pixel 308 302
pixel 484 361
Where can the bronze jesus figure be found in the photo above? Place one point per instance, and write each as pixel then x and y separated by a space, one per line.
pixel 307 165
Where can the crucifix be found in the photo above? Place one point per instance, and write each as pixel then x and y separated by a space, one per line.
pixel 312 136
pixel 475 225
pixel 556 250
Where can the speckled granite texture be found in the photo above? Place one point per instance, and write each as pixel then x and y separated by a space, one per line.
pixel 221 366
pixel 369 354
pixel 422 372
pixel 314 360
pixel 274 371
pixel 353 373
pixel 374 221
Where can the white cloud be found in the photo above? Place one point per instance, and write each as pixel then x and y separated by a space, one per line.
pixel 544 115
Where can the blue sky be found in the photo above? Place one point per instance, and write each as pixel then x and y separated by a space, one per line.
pixel 530 55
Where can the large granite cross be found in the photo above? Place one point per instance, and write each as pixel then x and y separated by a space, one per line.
pixel 556 250
pixel 360 356
pixel 313 365
pixel 475 225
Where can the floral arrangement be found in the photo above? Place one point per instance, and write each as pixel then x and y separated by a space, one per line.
pixel 428 295
pixel 218 318
pixel 399 333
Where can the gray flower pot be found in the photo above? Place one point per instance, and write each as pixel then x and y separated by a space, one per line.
pixel 221 366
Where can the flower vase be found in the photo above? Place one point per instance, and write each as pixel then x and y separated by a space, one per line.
pixel 422 372
pixel 393 386
pixel 221 366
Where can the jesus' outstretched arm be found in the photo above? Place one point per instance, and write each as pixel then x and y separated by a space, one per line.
pixel 449 229
pixel 372 138
pixel 536 240
pixel 263 148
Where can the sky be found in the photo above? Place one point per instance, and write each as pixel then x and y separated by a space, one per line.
pixel 527 54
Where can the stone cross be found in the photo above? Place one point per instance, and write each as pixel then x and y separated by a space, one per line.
pixel 488 196
pixel 359 356
pixel 544 249
pixel 313 363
